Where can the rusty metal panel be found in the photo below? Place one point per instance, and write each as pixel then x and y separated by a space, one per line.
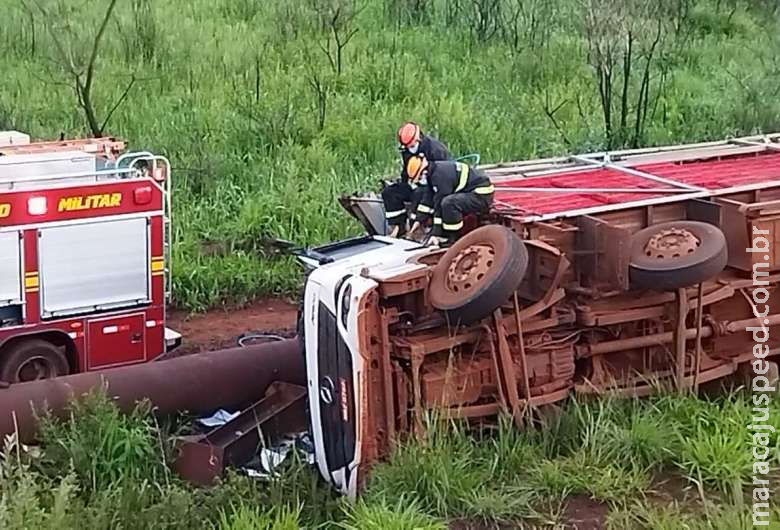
pixel 201 459
pixel 603 252
pixel 742 223
pixel 704 211
pixel 769 228
pixel 735 227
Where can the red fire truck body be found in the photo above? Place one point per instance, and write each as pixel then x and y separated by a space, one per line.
pixel 84 246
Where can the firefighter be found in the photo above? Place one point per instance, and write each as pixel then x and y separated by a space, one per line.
pixel 454 190
pixel 411 142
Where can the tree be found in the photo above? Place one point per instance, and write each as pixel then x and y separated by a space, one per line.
pixel 624 42
pixel 77 59
pixel 529 23
pixel 336 19
pixel 410 12
pixel 320 87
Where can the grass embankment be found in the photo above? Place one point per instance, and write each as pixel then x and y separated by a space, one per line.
pixel 667 462
pixel 264 131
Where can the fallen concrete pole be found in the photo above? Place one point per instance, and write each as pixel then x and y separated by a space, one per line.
pixel 199 383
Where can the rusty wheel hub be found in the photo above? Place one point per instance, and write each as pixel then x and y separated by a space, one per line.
pixel 672 243
pixel 470 267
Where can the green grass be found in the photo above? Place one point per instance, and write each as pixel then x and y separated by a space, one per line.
pixel 224 89
pixel 487 476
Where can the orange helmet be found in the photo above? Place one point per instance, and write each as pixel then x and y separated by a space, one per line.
pixel 409 134
pixel 416 166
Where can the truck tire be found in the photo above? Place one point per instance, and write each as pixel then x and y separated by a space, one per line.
pixel 676 254
pixel 32 359
pixel 478 274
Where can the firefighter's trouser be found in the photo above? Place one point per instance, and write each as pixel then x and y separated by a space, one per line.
pixel 395 196
pixel 454 207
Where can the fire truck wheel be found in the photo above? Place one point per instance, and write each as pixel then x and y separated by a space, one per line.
pixel 32 359
pixel 676 254
pixel 478 273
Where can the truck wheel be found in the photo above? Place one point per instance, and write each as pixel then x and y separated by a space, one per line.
pixel 478 273
pixel 676 254
pixel 33 359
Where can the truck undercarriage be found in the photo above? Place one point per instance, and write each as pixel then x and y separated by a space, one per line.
pixel 663 276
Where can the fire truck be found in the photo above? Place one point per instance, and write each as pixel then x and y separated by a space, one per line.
pixel 85 240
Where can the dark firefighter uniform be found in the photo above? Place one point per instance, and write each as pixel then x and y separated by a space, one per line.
pixel 454 189
pixel 397 194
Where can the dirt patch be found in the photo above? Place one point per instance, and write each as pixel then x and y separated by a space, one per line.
pixel 219 329
pixel 584 513
pixel 668 488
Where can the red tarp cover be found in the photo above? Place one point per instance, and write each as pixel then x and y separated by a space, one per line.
pixel 710 174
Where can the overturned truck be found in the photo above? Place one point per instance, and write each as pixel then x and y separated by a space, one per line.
pixel 611 272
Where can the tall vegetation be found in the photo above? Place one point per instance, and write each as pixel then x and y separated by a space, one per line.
pixel 664 462
pixel 271 109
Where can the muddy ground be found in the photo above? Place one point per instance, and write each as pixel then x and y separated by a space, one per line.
pixel 221 328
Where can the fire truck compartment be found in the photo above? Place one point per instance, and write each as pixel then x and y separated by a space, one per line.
pixel 32 171
pixel 10 269
pixel 13 138
pixel 94 266
pixel 116 340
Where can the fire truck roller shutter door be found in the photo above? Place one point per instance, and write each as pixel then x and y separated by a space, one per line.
pixel 94 266
pixel 10 269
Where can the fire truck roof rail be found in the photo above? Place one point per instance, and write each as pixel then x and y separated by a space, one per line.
pixel 108 147
pixel 131 157
pixel 11 183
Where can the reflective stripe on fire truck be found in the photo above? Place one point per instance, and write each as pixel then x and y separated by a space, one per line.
pixel 158 266
pixel 31 282
pixel 109 330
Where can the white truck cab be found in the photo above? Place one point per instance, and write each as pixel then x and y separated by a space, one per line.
pixel 341 275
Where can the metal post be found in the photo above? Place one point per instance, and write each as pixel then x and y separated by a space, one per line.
pixel 523 359
pixel 699 311
pixel 507 369
pixel 548 189
pixel 679 337
pixel 636 173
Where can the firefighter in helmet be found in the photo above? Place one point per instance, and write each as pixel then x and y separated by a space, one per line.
pixel 453 190
pixel 411 142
